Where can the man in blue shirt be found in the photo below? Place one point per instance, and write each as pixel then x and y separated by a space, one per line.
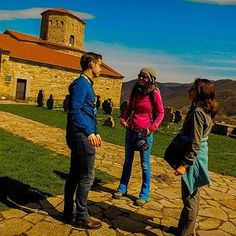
pixel 82 137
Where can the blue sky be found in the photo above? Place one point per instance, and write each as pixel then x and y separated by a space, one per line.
pixel 181 39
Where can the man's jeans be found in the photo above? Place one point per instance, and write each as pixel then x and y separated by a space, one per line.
pixel 145 164
pixel 81 175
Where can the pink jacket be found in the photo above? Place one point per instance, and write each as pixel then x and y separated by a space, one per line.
pixel 141 107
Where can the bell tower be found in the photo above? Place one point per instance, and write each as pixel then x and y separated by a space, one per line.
pixel 62 27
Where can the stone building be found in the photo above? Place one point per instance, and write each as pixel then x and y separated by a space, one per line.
pixel 49 63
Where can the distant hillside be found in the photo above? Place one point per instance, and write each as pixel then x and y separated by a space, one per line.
pixel 176 95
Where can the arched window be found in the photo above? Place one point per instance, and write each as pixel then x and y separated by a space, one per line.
pixel 62 23
pixel 72 40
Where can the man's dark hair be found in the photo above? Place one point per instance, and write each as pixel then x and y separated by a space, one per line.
pixel 87 58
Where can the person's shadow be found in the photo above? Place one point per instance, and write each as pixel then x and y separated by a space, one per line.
pixel 118 217
pixel 15 194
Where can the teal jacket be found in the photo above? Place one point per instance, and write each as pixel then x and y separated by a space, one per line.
pixel 197 126
pixel 197 175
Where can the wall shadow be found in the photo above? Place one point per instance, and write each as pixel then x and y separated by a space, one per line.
pixel 15 194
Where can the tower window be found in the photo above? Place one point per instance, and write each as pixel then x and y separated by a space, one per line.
pixel 72 40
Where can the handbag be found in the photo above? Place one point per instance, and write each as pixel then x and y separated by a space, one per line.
pixel 139 140
pixel 176 150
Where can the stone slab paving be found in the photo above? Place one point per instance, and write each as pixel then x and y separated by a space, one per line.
pixel 217 215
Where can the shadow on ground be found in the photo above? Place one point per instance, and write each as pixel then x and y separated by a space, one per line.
pixel 115 216
pixel 97 181
pixel 15 194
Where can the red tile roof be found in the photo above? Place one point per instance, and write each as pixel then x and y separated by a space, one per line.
pixel 29 38
pixel 30 51
pixel 62 11
pixel 22 37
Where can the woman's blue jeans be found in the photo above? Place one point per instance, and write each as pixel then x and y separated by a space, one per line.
pixel 145 164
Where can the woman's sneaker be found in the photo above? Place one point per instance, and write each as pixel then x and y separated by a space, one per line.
pixel 140 202
pixel 118 195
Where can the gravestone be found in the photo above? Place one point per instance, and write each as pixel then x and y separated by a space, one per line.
pixel 40 98
pixel 123 106
pixel 50 102
pixel 109 122
pixel 66 103
pixel 107 106
pixel 169 116
pixel 98 102
pixel 178 116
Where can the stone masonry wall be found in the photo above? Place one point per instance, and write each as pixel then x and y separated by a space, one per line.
pixel 109 88
pixel 52 80
pixel 58 29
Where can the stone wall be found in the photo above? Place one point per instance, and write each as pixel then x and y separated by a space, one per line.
pixel 58 28
pixel 109 88
pixel 223 129
pixel 67 51
pixel 52 80
pixel 5 70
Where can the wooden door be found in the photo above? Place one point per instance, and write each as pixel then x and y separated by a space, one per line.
pixel 20 89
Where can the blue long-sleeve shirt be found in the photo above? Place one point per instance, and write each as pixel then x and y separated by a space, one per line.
pixel 81 116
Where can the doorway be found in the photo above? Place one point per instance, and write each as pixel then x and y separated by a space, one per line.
pixel 21 89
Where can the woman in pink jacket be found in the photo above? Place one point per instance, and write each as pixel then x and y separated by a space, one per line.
pixel 141 118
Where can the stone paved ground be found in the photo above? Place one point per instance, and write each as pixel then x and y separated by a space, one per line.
pixel 217 214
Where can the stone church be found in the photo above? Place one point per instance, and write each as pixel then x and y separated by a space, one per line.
pixel 51 62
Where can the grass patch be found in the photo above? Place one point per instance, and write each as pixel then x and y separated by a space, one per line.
pixel 56 118
pixel 30 166
pixel 222 149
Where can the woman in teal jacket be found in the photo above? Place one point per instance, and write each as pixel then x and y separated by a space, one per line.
pixel 194 167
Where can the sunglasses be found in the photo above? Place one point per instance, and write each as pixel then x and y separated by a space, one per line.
pixel 143 77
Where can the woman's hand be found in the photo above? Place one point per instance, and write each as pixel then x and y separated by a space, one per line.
pixel 148 131
pixel 125 124
pixel 180 170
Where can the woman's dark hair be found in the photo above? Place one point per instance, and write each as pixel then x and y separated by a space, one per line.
pixel 205 96
pixel 87 58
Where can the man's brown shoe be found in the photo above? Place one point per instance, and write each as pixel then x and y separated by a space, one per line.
pixel 90 223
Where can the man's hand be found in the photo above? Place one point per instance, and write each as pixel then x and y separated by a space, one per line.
pixel 92 139
pixel 95 140
pixel 180 170
pixel 99 139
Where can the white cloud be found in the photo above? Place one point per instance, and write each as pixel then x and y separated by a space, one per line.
pixel 218 2
pixel 128 61
pixel 35 13
pixel 229 62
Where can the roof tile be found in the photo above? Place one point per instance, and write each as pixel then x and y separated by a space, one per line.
pixel 29 50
